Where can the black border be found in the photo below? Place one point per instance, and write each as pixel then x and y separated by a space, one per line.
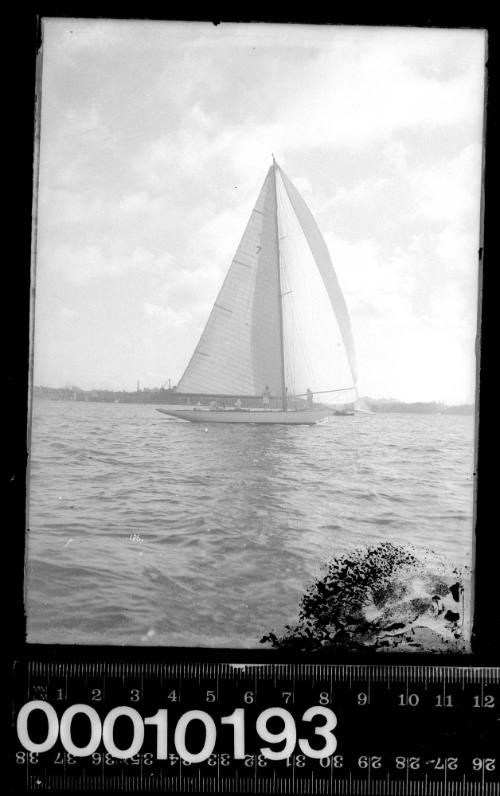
pixel 25 34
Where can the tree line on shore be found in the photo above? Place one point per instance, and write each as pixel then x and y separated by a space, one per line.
pixel 162 395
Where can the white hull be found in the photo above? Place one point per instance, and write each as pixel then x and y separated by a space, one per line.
pixel 306 417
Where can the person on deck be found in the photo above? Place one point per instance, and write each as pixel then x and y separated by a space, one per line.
pixel 309 398
pixel 237 403
pixel 266 397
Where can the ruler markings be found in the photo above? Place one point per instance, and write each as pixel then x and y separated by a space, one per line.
pixel 445 677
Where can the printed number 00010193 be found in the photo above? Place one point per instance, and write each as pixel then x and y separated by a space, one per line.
pixel 104 731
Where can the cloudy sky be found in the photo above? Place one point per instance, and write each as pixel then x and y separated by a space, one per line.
pixel 155 140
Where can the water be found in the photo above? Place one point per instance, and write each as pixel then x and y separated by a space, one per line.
pixel 146 530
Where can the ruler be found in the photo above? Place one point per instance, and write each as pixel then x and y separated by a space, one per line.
pixel 143 727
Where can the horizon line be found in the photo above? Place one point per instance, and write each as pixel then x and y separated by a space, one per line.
pixel 172 389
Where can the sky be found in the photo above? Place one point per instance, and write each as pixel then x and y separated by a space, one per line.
pixel 156 138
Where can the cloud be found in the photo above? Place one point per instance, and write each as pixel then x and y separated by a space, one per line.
pixel 421 313
pixel 89 263
pixel 450 193
pixel 157 137
pixel 152 309
pixel 168 317
pixel 69 313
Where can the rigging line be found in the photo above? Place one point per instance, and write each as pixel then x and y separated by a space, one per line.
pixel 296 349
pixel 324 392
pixel 280 300
pixel 289 306
pixel 288 335
pixel 299 352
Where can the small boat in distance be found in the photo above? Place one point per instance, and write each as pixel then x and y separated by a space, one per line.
pixel 279 330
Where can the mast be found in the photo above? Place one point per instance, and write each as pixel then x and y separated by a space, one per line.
pixel 280 307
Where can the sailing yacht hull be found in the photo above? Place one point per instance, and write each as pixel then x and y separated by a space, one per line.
pixel 255 416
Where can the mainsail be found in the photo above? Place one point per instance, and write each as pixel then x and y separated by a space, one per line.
pixel 280 320
pixel 239 351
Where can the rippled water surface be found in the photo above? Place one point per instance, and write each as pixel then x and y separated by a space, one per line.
pixel 145 530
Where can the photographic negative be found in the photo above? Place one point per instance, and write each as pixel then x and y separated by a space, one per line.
pixel 254 325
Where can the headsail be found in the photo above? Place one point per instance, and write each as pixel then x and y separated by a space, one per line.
pixel 318 344
pixel 280 319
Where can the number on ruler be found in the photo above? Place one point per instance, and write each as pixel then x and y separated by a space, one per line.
pixel 444 701
pixel 410 700
pixel 487 701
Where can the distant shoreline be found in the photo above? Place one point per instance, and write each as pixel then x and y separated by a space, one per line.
pixel 163 396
